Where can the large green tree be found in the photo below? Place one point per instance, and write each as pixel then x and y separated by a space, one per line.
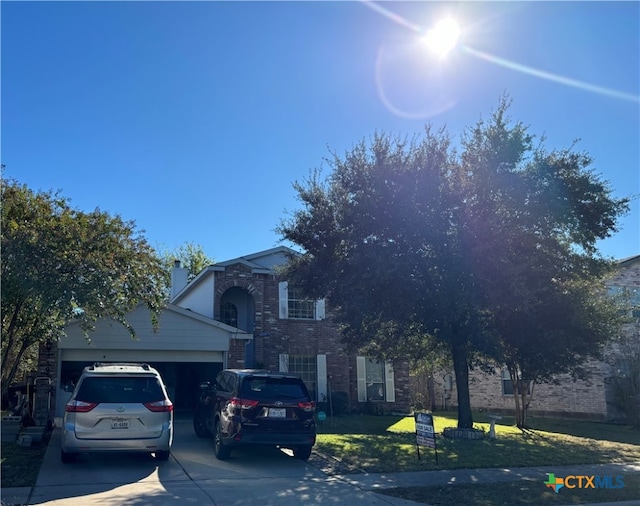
pixel 59 264
pixel 414 243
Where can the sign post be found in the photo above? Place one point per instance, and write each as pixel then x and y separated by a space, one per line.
pixel 425 435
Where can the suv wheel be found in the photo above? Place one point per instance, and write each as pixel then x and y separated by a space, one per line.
pixel 66 457
pixel 221 451
pixel 162 455
pixel 302 452
pixel 199 424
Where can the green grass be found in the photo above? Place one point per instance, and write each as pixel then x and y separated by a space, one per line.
pixel 518 493
pixel 387 444
pixel 21 464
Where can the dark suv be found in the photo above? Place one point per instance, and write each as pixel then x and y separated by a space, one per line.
pixel 250 407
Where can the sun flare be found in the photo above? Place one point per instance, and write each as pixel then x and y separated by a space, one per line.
pixel 443 37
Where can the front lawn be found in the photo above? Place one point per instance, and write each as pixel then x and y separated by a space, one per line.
pixel 21 464
pixel 387 444
pixel 517 493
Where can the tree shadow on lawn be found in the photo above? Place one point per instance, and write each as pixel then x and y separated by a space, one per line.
pixel 397 452
pixel 601 431
pixel 359 424
pixel 591 429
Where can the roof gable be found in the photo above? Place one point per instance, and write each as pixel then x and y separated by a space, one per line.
pixel 262 262
pixel 627 262
pixel 267 259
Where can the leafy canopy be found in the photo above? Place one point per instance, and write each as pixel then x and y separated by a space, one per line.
pixel 416 245
pixel 59 265
pixel 191 256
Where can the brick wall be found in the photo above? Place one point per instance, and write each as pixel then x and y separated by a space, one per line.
pixel 584 399
pixel 274 336
pixel 44 392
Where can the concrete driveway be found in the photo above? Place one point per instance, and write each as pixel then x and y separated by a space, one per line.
pixel 193 475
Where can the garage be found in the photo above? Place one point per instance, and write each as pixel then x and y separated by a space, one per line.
pixel 187 349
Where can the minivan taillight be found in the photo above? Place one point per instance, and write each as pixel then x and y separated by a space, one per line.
pixel 236 402
pixel 79 406
pixel 159 406
pixel 307 406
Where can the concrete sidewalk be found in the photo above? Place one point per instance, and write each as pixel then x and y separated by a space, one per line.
pixel 194 483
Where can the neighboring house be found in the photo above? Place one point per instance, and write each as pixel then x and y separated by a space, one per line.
pixel 233 314
pixel 583 399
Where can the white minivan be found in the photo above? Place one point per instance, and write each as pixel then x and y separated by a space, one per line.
pixel 118 407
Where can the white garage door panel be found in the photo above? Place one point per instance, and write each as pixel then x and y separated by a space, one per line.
pixel 139 356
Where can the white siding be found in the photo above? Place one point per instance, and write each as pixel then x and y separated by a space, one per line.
pixel 200 298
pixel 176 333
pixel 102 355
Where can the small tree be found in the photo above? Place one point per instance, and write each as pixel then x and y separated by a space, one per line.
pixel 556 335
pixel 59 264
pixel 191 256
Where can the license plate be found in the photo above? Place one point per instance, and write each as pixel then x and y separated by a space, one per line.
pixel 278 412
pixel 119 424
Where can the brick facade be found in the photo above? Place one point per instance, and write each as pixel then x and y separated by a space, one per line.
pixel 583 399
pixel 274 336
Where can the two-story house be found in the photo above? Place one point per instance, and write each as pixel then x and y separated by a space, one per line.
pixel 233 314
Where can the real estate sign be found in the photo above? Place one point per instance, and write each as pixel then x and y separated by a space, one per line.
pixel 425 434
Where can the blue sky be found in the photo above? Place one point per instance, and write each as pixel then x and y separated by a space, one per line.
pixel 194 118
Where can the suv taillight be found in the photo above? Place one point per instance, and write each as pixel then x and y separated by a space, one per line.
pixel 307 406
pixel 236 402
pixel 159 406
pixel 79 406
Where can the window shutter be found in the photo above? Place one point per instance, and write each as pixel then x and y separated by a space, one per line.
pixel 283 296
pixel 390 390
pixel 361 374
pixel 320 309
pixel 322 377
pixel 283 362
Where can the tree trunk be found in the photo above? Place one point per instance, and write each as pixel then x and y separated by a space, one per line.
pixel 523 415
pixel 6 383
pixel 8 345
pixel 461 369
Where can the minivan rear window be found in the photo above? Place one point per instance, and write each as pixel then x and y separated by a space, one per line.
pixel 268 388
pixel 139 389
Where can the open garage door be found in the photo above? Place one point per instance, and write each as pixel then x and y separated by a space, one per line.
pixel 182 372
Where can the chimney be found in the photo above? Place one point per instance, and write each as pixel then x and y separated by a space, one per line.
pixel 179 278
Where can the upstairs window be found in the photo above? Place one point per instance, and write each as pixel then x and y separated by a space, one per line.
pixel 229 314
pixel 295 306
pixel 300 308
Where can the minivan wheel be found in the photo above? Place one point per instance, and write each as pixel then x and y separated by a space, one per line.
pixel 162 455
pixel 302 452
pixel 67 457
pixel 221 451
pixel 199 425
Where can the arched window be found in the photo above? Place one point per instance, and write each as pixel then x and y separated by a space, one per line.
pixel 229 314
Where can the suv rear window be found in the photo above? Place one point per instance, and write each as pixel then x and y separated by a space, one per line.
pixel 267 388
pixel 139 389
